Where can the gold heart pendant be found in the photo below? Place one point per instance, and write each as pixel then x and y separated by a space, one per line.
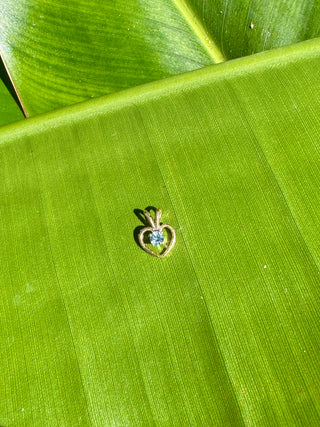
pixel 156 237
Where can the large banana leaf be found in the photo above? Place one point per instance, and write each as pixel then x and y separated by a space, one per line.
pixel 59 53
pixel 223 331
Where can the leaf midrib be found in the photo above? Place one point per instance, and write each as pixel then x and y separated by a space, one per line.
pixel 199 30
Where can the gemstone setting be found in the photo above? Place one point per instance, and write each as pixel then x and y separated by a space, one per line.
pixel 156 238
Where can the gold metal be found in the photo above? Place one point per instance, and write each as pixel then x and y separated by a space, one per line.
pixel 154 225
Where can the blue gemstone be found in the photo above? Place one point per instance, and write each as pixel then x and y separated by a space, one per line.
pixel 156 238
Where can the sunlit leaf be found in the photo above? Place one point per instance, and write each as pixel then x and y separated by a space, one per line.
pixel 223 331
pixel 59 53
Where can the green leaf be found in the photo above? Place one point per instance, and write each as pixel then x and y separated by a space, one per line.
pixel 243 27
pixel 59 54
pixel 222 331
pixel 9 108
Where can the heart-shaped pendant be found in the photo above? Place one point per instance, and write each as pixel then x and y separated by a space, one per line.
pixel 156 237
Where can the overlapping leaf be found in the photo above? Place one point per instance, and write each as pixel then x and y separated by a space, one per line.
pixel 9 106
pixel 59 53
pixel 9 109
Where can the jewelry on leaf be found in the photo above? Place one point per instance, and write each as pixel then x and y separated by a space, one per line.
pixel 156 236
